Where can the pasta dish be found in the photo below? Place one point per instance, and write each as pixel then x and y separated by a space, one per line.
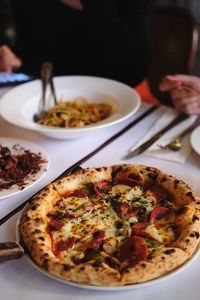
pixel 76 113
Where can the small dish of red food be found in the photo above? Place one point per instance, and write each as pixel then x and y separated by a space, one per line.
pixel 22 164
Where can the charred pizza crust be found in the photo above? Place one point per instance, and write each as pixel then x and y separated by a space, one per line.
pixel 109 271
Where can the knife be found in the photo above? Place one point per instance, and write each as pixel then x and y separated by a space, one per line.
pixel 181 117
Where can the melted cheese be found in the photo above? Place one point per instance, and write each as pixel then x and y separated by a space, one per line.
pixel 135 192
pixel 89 215
pixel 73 203
pixel 112 244
pixel 162 234
pixel 101 217
pixel 119 189
pixel 125 192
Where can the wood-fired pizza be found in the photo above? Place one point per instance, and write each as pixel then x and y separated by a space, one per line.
pixel 112 226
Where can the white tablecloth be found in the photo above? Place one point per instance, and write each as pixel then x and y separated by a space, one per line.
pixel 21 280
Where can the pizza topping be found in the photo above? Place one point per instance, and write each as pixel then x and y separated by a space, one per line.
pixel 54 225
pixel 138 201
pixel 163 234
pixel 123 209
pixel 152 244
pixel 113 262
pixel 158 193
pixel 76 207
pixel 125 192
pixel 159 227
pixel 123 227
pixel 63 245
pixel 79 193
pixel 144 207
pixel 89 254
pixel 120 219
pixel 138 229
pixel 133 249
pixel 59 214
pixel 101 188
pixel 111 245
pixel 158 212
pixel 129 179
pixel 123 222
pixel 98 237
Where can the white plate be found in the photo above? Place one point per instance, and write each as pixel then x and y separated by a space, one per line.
pixel 108 288
pixel 119 288
pixel 195 140
pixel 20 104
pixel 32 179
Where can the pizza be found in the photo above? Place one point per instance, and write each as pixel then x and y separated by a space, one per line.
pixel 112 226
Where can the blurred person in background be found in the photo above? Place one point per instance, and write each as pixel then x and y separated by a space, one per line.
pixel 106 38
pixel 184 91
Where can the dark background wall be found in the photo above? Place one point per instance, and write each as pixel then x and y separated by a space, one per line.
pixel 7 31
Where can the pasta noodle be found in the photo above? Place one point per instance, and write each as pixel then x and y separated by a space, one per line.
pixel 76 113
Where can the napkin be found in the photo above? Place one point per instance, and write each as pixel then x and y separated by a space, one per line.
pixel 166 116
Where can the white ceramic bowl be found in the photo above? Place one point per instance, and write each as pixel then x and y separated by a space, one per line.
pixel 20 104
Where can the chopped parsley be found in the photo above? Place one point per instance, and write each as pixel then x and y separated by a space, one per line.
pixel 151 244
pixel 60 214
pixel 140 200
pixel 72 209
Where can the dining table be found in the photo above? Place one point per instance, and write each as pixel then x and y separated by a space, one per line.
pixel 20 279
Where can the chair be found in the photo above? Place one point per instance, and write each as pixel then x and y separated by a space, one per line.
pixel 175 41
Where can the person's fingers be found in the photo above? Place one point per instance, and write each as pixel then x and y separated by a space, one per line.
pixel 182 93
pixel 192 109
pixel 168 83
pixel 8 60
pixel 190 81
pixel 76 4
pixel 190 105
pixel 16 64
pixel 178 102
pixel 173 81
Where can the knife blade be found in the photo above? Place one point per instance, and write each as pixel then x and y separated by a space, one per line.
pixel 181 117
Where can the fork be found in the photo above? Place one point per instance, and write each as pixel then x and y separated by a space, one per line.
pixel 46 78
pixel 175 145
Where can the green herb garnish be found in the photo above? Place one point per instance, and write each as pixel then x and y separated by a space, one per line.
pixel 140 200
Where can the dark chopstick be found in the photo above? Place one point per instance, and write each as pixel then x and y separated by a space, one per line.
pixel 77 166
pixel 115 136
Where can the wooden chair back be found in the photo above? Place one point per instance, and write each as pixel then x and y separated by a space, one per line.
pixel 175 43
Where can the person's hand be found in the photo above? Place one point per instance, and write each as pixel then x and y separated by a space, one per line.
pixel 184 91
pixel 8 60
pixel 76 4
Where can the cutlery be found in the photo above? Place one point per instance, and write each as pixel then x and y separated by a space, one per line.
pixel 10 250
pixel 176 145
pixel 46 78
pixel 154 138
pixel 77 166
